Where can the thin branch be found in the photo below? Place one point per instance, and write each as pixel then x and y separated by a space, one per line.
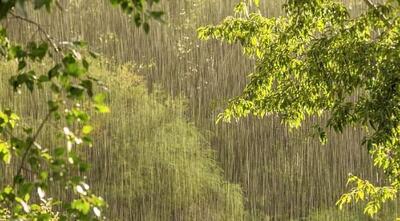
pixel 34 34
pixel 31 144
pixel 39 27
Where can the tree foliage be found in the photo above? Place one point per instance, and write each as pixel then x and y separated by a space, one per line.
pixel 317 58
pixel 36 168
pixel 172 161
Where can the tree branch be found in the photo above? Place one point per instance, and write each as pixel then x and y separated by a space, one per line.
pixel 30 145
pixel 39 27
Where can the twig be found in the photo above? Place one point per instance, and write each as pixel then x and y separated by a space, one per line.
pixel 30 145
pixel 39 27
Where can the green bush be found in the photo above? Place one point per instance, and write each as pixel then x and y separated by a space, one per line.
pixel 161 167
pixel 146 156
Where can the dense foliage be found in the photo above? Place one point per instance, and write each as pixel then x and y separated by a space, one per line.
pixel 34 167
pixel 148 159
pixel 317 58
pixel 166 167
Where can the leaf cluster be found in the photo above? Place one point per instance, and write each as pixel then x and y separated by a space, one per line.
pixel 66 80
pixel 141 11
pixel 316 59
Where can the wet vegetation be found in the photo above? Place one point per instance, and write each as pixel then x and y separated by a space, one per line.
pixel 158 155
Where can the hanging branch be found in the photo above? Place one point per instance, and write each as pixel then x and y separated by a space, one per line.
pixel 40 29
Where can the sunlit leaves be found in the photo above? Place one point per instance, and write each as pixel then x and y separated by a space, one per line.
pixel 87 129
pixel 61 70
pixel 365 191
pixel 8 120
pixel 81 206
pixel 5 153
pixel 99 102
pixel 87 204
pixel 317 59
pixel 67 82
pixel 276 44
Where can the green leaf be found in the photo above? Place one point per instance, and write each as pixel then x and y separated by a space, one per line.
pixel 146 27
pixel 59 152
pixel 76 91
pixel 88 85
pixel 53 105
pixel 72 67
pixel 137 19
pixel 16 52
pixel 80 44
pixel 54 72
pixel 44 175
pixel 99 98
pixel 3 119
pixel 157 15
pixel 37 51
pixel 81 206
pixel 5 153
pixel 101 108
pixel 87 129
pixel 257 3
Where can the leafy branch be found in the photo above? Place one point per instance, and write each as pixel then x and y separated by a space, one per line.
pixel 68 82
pixel 315 59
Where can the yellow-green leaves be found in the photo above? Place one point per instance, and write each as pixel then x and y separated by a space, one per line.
pixel 88 203
pixel 257 2
pixel 87 129
pixel 99 103
pixel 365 191
pixel 8 120
pixel 316 59
pixel 240 8
pixel 61 70
pixel 5 153
pixel 66 83
pixel 81 206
